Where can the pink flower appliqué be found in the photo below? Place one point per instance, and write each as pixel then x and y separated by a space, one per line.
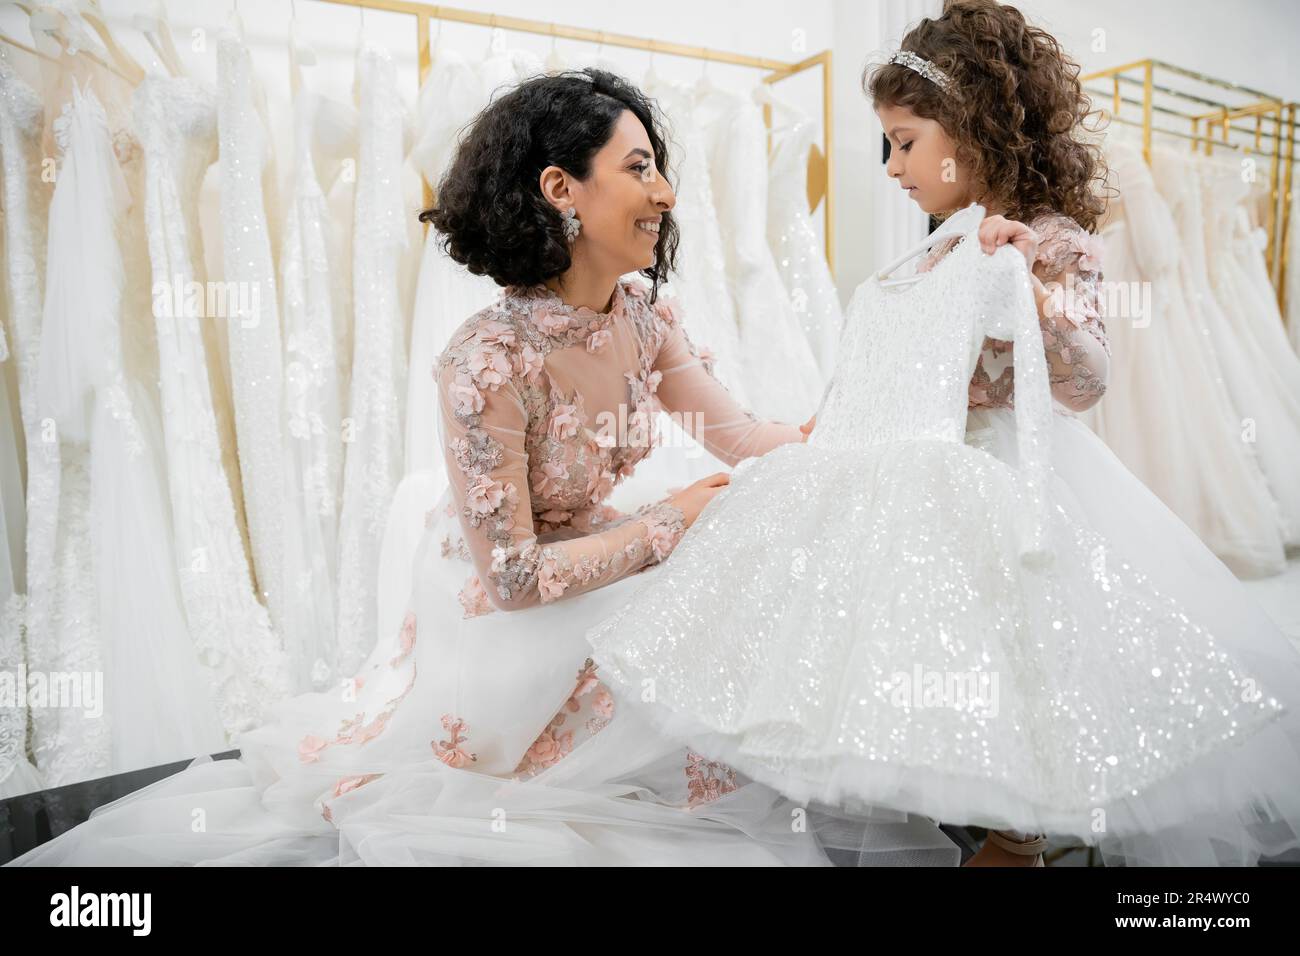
pixel 474 599
pixel 602 705
pixel 484 494
pixel 598 340
pixel 707 780
pixel 662 541
pixel 548 322
pixel 309 748
pixel 1091 249
pixel 550 583
pixel 450 751
pixel 488 367
pixel 668 310
pixel 548 749
pixel 529 363
pixel 468 399
pixel 348 784
pixel 546 479
pixel 564 422
pixel 407 637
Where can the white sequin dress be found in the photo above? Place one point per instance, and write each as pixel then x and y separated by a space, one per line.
pixel 891 616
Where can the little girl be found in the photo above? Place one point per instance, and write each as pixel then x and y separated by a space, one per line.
pixel 1146 705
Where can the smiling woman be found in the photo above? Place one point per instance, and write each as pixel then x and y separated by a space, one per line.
pixel 583 146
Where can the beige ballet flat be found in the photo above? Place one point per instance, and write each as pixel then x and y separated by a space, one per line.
pixel 1033 847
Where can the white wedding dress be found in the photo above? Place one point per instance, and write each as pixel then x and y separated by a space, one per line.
pixel 891 558
pixel 446 293
pixel 313 309
pixel 25 203
pixel 1265 419
pixel 373 429
pixel 1240 282
pixel 780 372
pixel 289 562
pixel 1166 372
pixel 795 244
pixel 175 119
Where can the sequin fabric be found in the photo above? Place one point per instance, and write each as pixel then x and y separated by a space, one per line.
pixel 915 624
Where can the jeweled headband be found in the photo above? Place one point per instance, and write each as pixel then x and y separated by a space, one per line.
pixel 924 67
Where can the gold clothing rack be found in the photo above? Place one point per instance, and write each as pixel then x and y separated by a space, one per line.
pixel 1273 120
pixel 820 180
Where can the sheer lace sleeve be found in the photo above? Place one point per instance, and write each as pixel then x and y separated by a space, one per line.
pixel 484 421
pixel 729 432
pixel 1073 332
pixel 1012 313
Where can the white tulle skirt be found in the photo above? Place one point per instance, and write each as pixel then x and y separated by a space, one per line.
pixel 480 740
pixel 880 645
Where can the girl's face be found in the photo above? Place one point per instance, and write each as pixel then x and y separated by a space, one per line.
pixel 622 202
pixel 924 161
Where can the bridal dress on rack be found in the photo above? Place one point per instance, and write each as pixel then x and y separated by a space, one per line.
pixel 479 732
pixel 781 376
pixel 99 369
pixel 1165 373
pixel 373 427
pixel 800 257
pixel 1239 279
pixel 290 568
pixel 700 287
pixel 446 293
pixel 313 310
pixel 805 667
pixel 1263 422
pixel 176 121
pixel 25 200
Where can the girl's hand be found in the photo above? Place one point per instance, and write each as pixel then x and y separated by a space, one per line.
pixel 998 231
pixel 692 499
pixel 807 427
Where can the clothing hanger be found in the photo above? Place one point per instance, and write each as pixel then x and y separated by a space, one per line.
pixel 24 47
pixel 555 62
pixel 958 224
pixel 53 29
pixel 157 31
pixel 300 52
pixel 128 68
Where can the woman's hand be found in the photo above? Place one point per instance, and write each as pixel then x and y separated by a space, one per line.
pixel 998 231
pixel 807 427
pixel 692 499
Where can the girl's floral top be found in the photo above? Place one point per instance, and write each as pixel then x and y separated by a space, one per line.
pixel 544 409
pixel 1074 334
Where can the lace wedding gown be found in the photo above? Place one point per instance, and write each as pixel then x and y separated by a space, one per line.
pixel 446 292
pixel 925 628
pixel 373 432
pixel 795 244
pixel 25 205
pixel 1165 374
pixel 316 348
pixel 1263 410
pixel 780 372
pixel 479 731
pixel 175 119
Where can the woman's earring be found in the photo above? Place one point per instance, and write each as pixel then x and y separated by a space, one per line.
pixel 571 224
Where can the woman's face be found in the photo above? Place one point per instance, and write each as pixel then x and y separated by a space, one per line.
pixel 924 161
pixel 620 204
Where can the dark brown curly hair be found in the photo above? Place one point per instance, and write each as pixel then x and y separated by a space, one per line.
pixel 1016 113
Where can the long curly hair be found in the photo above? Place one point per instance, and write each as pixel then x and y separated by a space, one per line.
pixel 1016 113
pixel 490 213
